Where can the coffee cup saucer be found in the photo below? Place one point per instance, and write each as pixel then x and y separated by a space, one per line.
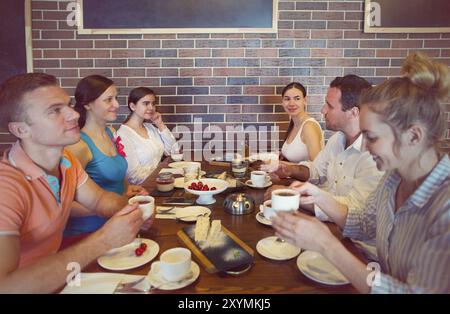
pixel 250 184
pixel 157 280
pixel 262 219
pixel 272 249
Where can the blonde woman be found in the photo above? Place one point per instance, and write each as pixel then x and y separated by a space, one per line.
pixel 409 213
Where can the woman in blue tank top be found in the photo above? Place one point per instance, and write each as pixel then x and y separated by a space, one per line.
pixel 99 151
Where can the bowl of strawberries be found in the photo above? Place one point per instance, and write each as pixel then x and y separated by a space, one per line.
pixel 205 189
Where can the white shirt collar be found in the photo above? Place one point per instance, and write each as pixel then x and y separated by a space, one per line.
pixel 357 144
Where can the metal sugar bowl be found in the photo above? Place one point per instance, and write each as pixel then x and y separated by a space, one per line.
pixel 239 204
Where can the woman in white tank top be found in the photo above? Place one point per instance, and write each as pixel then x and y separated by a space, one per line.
pixel 304 139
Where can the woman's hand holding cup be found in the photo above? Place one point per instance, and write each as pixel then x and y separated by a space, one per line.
pixel 285 200
pixel 310 194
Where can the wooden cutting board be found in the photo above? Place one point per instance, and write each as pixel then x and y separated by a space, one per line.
pixel 232 253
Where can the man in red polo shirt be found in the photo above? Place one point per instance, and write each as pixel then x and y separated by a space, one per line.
pixel 39 179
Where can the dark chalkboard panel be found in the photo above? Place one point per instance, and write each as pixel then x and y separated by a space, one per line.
pixel 231 254
pixel 15 38
pixel 163 16
pixel 408 16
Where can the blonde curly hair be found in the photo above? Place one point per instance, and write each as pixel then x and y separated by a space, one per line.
pixel 416 97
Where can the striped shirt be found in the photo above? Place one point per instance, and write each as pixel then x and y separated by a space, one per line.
pixel 413 243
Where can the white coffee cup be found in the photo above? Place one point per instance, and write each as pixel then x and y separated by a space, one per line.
pixel 285 200
pixel 259 178
pixel 147 205
pixel 267 210
pixel 175 152
pixel 176 156
pixel 175 264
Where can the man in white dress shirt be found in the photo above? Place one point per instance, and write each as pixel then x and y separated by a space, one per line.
pixel 342 167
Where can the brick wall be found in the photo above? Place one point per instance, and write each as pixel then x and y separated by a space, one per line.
pixel 230 79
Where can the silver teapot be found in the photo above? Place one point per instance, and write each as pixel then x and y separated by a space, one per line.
pixel 239 204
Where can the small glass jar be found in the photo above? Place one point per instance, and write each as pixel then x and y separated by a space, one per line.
pixel 239 168
pixel 165 182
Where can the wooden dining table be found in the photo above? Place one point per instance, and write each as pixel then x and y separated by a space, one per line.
pixel 265 275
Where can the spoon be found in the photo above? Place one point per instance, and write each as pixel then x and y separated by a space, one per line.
pixel 132 289
pixel 191 216
pixel 165 210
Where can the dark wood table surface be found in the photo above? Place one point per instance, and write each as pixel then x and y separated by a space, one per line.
pixel 265 275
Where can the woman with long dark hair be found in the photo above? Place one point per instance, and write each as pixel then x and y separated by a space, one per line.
pixel 144 135
pixel 99 150
pixel 304 139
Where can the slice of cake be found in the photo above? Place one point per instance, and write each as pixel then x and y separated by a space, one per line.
pixel 222 176
pixel 214 231
pixel 201 229
pixel 231 182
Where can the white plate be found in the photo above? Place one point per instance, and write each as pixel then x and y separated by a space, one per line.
pixel 99 283
pixel 124 258
pixel 280 251
pixel 263 220
pixel 158 281
pixel 172 170
pixel 190 213
pixel 179 183
pixel 316 267
pixel 263 156
pixel 266 185
pixel 181 164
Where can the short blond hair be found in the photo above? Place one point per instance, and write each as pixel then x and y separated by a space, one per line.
pixel 413 98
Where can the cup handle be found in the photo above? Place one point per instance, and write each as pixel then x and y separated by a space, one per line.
pixel 155 267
